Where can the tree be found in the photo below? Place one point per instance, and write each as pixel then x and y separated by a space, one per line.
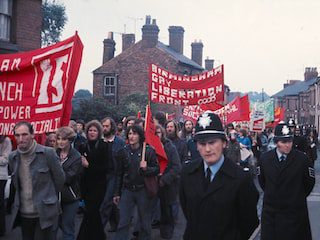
pixel 54 19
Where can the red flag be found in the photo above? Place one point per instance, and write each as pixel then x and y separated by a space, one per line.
pixel 38 86
pixel 139 115
pixel 153 140
pixel 244 108
pixel 278 115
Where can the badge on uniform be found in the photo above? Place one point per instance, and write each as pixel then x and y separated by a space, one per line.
pixel 311 172
pixel 258 171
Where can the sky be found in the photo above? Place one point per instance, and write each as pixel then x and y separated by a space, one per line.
pixel 262 43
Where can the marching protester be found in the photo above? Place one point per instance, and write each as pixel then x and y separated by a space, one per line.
pixel 80 127
pixel 131 189
pixel 287 178
pixel 95 160
pixel 312 141
pixel 232 150
pixel 70 160
pixel 5 150
pixel 245 146
pixel 217 197
pixel 172 130
pixel 37 177
pixel 51 140
pixel 109 212
pixel 79 141
pixel 168 183
pixel 186 131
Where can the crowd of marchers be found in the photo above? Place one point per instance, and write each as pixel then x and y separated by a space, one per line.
pixel 103 170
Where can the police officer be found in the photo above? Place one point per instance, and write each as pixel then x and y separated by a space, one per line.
pixel 217 197
pixel 287 178
pixel 299 141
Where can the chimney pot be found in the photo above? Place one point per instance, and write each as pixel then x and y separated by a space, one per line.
pixel 310 73
pixel 108 48
pixel 150 33
pixel 209 64
pixel 128 39
pixel 196 52
pixel 176 38
pixel 148 20
pixel 154 22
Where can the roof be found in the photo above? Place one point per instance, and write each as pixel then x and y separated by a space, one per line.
pixel 296 88
pixel 178 56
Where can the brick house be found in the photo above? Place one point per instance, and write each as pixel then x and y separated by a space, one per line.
pixel 127 73
pixel 299 98
pixel 20 25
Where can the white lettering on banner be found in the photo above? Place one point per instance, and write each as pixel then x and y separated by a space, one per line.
pixel 11 91
pixel 6 65
pixel 15 112
pixel 207 100
pixel 170 76
pixel 39 127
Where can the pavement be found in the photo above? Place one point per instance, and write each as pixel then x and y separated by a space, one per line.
pixel 313 206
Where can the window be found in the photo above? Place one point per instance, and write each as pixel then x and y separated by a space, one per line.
pixel 110 85
pixel 5 19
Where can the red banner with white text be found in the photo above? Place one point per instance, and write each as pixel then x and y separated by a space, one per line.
pixel 38 86
pixel 168 88
pixel 237 110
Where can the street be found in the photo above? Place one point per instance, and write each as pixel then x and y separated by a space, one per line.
pixel 313 204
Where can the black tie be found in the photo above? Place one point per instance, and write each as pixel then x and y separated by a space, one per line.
pixel 208 176
pixel 282 160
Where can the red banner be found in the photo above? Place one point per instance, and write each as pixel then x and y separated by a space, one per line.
pixel 169 88
pixel 153 140
pixel 278 117
pixel 38 86
pixel 237 110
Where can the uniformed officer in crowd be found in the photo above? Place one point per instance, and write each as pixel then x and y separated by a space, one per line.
pixel 299 141
pixel 217 197
pixel 287 178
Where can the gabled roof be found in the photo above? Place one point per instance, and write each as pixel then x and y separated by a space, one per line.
pixel 178 56
pixel 296 88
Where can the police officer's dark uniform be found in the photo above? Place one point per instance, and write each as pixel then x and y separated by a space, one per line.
pixel 225 208
pixel 287 180
pixel 299 141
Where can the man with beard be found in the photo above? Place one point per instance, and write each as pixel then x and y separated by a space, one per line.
pixel 109 211
pixel 181 145
pixel 186 131
pixel 287 178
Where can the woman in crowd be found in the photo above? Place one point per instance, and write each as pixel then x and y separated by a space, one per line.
pixel 168 183
pixel 130 185
pixel 245 144
pixel 95 158
pixel 71 163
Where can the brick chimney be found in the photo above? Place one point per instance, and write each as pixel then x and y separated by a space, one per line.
pixel 196 52
pixel 150 33
pixel 128 40
pixel 209 64
pixel 310 73
pixel 108 48
pixel 176 38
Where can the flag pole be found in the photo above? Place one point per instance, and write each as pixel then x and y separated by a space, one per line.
pixel 145 128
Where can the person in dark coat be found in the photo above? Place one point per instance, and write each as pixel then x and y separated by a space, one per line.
pixel 299 141
pixel 95 159
pixel 312 141
pixel 172 130
pixel 287 178
pixel 232 150
pixel 70 160
pixel 218 198
pixel 130 191
pixel 168 183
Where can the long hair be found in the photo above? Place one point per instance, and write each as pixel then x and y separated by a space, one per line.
pixel 96 124
pixel 176 127
pixel 136 129
pixel 163 138
pixel 183 130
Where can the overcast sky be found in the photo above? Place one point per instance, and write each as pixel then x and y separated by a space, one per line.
pixel 262 43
